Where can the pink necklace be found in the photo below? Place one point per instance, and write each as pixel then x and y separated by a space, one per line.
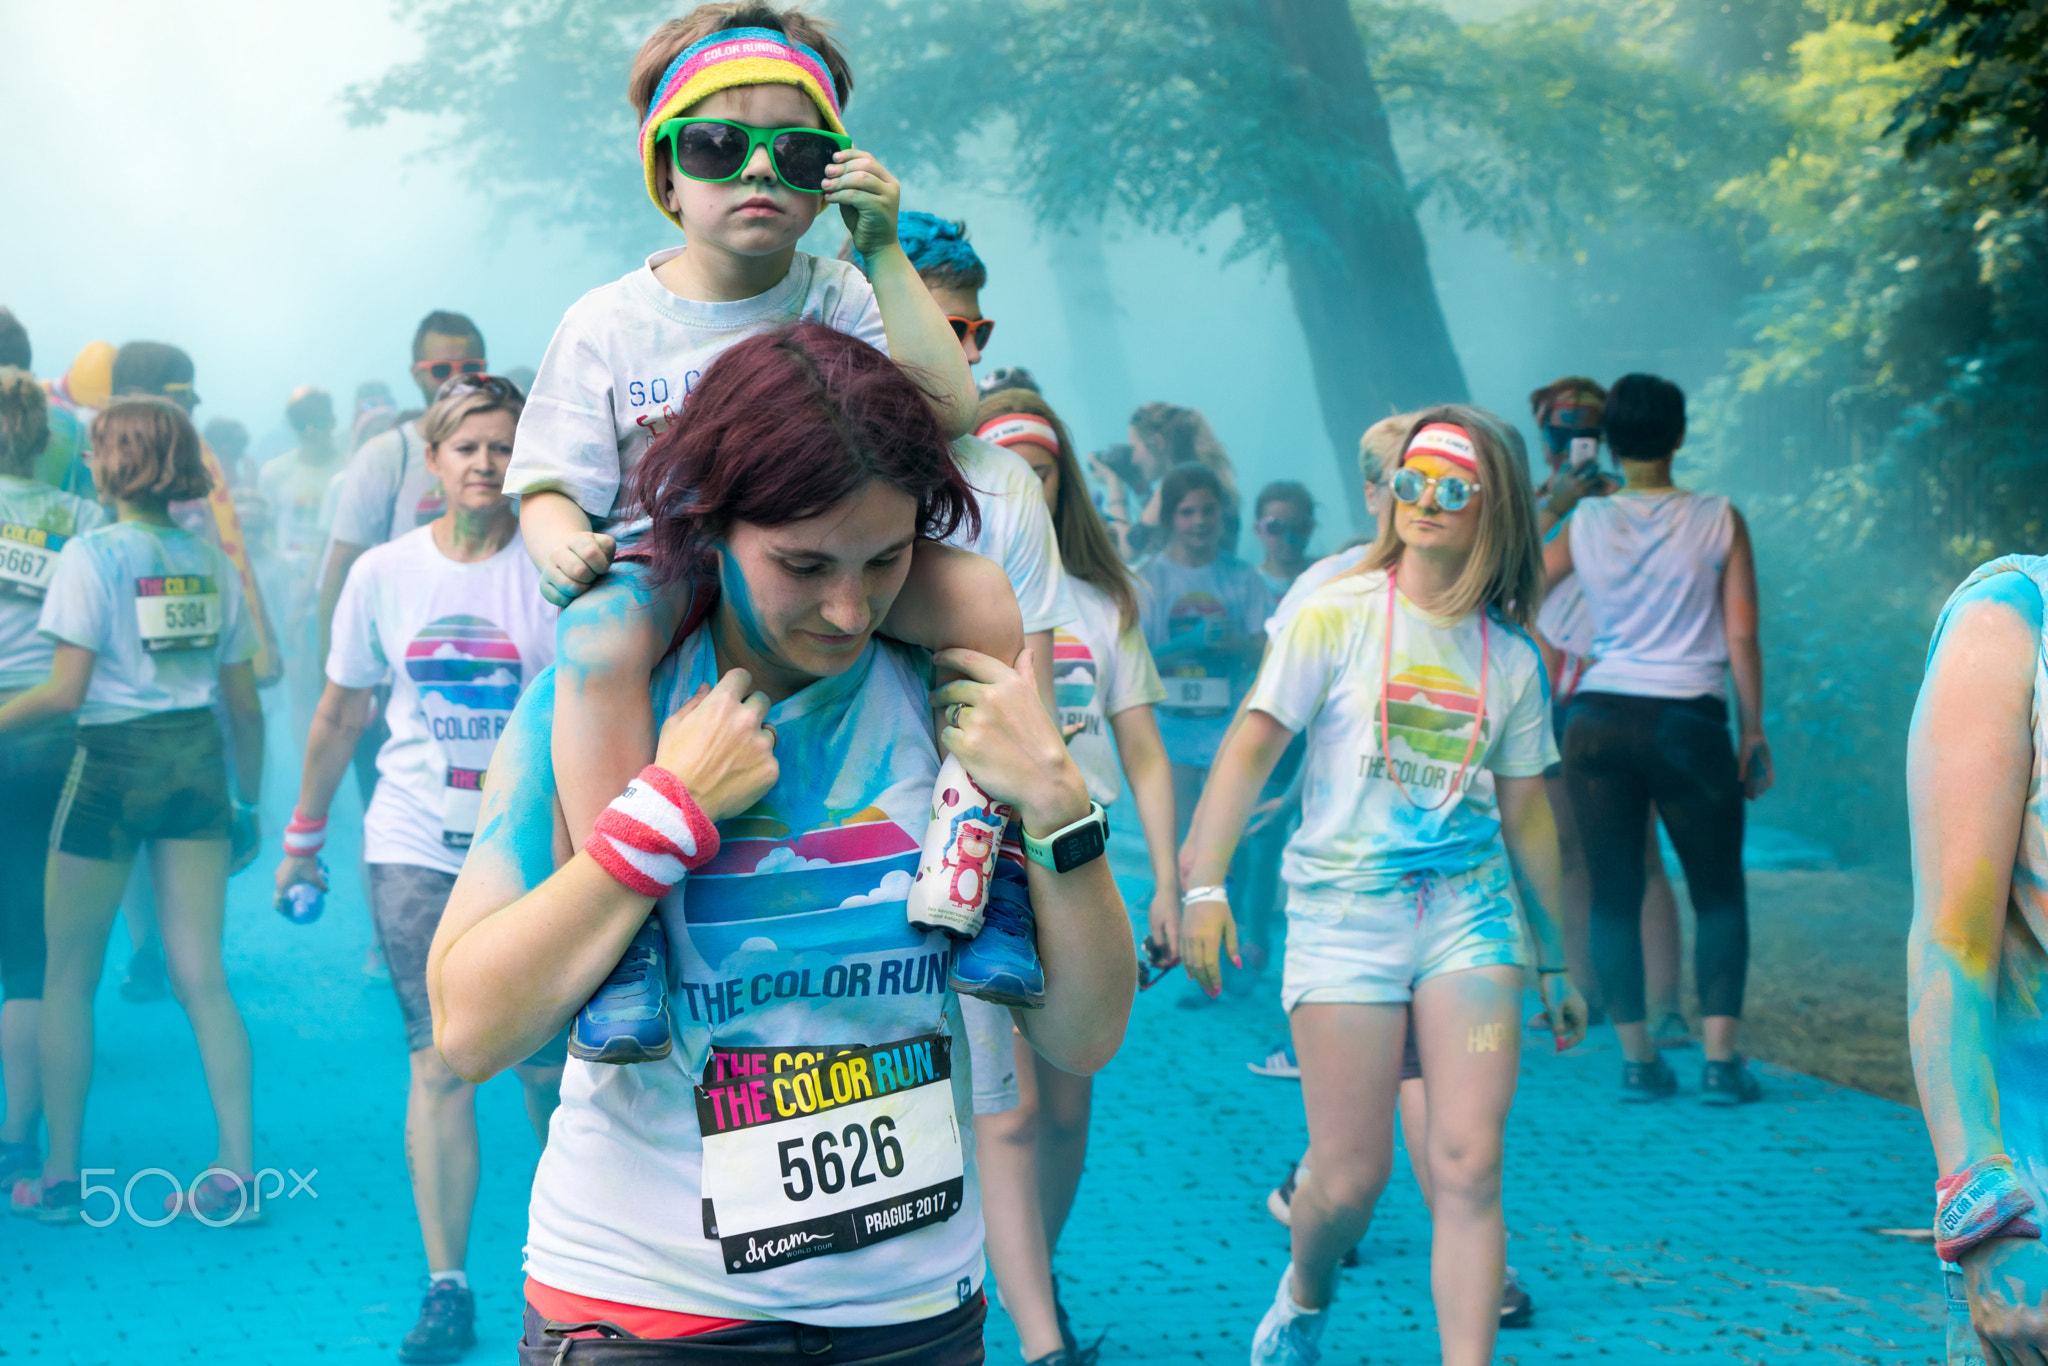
pixel 1479 721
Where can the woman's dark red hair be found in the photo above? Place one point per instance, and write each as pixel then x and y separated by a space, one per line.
pixel 787 425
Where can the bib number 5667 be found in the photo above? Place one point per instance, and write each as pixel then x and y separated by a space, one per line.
pixel 839 1159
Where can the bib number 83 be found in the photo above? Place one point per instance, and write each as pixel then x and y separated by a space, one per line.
pixel 829 1154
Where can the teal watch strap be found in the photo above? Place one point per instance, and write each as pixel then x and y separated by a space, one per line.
pixel 1070 847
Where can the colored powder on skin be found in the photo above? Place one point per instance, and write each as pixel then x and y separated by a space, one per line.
pixel 733 583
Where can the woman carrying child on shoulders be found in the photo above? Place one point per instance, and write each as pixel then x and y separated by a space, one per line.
pixel 794 1182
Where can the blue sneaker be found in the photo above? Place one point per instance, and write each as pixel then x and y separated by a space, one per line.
pixel 626 1020
pixel 1000 965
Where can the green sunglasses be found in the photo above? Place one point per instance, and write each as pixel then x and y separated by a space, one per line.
pixel 716 150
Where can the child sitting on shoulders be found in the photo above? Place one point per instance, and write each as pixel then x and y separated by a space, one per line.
pixel 743 146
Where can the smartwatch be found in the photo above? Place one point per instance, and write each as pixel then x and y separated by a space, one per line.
pixel 1067 849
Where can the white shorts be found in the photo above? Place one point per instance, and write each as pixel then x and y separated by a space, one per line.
pixel 992 1049
pixel 1371 948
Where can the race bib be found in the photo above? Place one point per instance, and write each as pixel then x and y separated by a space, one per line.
pixel 1197 694
pixel 178 612
pixel 462 797
pixel 28 556
pixel 810 1152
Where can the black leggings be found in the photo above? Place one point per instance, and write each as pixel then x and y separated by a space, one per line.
pixel 1622 753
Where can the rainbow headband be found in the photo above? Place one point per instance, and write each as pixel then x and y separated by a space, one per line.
pixel 1019 429
pixel 735 56
pixel 1452 443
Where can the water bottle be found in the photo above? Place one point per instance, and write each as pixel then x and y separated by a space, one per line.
pixel 303 901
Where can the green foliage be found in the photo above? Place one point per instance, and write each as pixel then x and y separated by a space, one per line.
pixel 1549 131
pixel 1905 303
pixel 1995 87
pixel 532 97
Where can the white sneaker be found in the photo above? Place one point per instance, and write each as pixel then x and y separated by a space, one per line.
pixel 1289 1335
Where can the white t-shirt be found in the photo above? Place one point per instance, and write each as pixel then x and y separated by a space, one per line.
pixel 626 356
pixel 163 611
pixel 35 522
pixel 1309 580
pixel 386 490
pixel 791 940
pixel 1100 668
pixel 1359 833
pixel 458 643
pixel 1650 566
pixel 297 492
pixel 1016 530
pixel 1223 598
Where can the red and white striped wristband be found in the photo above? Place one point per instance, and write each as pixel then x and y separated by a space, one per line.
pixel 652 834
pixel 304 838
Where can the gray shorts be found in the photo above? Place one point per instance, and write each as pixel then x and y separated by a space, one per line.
pixel 406 902
pixel 991 1044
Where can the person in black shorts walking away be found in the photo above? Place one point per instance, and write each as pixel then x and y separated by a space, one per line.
pixel 150 629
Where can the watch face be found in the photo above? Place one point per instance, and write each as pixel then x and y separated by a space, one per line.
pixel 1076 847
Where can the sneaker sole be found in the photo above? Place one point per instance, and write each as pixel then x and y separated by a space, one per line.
pixel 958 927
pixel 621 1052
pixel 1725 1101
pixel 1259 1069
pixel 997 995
pixel 1277 1207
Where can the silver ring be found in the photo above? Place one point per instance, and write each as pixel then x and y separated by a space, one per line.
pixel 953 714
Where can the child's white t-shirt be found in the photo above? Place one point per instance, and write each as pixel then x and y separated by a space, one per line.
pixel 626 356
pixel 458 642
pixel 161 608
pixel 1016 530
pixel 1359 832
pixel 1100 667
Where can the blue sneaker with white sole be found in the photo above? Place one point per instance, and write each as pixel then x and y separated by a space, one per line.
pixel 1000 965
pixel 626 1020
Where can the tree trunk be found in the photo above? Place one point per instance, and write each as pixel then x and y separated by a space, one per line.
pixel 1360 277
pixel 1101 372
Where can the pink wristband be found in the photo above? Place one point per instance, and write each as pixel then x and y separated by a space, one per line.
pixel 652 834
pixel 304 838
pixel 1983 1200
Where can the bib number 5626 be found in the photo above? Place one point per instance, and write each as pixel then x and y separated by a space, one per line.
pixel 833 1171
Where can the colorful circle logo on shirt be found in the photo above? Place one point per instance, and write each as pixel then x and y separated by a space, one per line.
pixel 1073 673
pixel 1433 710
pixel 1194 612
pixel 467 662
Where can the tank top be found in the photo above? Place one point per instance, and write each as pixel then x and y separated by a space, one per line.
pixel 2021 1047
pixel 1650 566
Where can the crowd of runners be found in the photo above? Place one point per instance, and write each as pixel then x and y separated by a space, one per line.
pixel 740 703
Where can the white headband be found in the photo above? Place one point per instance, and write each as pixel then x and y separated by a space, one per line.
pixel 1019 428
